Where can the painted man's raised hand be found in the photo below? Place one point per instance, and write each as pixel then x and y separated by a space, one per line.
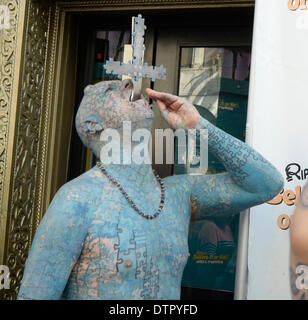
pixel 178 112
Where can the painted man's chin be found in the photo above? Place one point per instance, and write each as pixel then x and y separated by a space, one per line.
pixel 144 123
pixel 143 112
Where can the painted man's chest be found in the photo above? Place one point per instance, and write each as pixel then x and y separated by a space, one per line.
pixel 122 246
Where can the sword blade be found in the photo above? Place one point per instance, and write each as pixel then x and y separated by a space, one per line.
pixel 136 93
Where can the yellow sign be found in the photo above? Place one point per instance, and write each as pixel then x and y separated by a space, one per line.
pixel 290 198
pixel 297 4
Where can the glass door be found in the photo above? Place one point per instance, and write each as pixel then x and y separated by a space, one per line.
pixel 210 68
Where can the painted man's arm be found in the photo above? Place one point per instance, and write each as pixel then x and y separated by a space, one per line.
pixel 250 179
pixel 299 248
pixel 55 248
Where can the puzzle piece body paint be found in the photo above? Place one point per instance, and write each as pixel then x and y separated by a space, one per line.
pixel 91 244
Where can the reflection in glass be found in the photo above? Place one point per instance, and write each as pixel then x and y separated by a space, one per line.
pixel 216 81
pixel 109 44
pixel 202 69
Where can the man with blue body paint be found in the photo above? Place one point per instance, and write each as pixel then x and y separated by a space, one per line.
pixel 92 243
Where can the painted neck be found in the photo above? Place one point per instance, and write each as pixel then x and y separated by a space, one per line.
pixel 128 155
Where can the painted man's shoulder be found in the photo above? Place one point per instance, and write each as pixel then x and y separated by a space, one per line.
pixel 82 188
pixel 178 181
pixel 75 200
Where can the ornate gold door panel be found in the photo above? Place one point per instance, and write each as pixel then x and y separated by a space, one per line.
pixel 22 62
pixel 37 83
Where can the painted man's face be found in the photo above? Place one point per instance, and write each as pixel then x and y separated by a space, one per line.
pixel 106 105
pixel 110 101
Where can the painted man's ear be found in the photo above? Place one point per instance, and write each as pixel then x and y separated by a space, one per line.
pixel 93 125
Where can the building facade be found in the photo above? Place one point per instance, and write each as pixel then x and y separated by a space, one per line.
pixel 38 76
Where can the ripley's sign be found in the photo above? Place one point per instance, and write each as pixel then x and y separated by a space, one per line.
pixel 296 172
pixel 289 197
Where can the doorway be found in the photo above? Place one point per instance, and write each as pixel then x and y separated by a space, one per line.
pixel 207 56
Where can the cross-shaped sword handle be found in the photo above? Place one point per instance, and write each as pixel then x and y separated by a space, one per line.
pixel 136 69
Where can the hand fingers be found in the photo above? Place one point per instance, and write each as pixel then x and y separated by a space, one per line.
pixel 165 114
pixel 152 93
pixel 170 117
pixel 162 106
pixel 165 97
pixel 155 95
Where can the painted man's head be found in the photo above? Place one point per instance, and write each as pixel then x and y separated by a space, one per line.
pixel 106 105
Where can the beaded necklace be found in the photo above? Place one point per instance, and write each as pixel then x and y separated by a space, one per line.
pixel 118 185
